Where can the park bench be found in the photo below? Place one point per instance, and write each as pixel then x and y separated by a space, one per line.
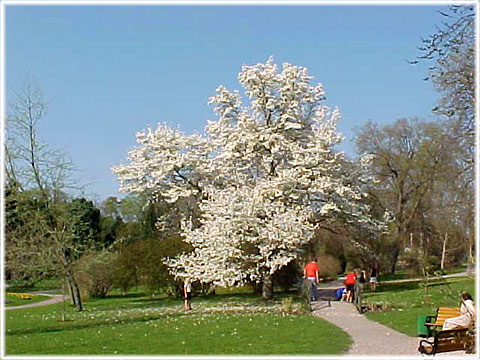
pixel 439 318
pixel 448 340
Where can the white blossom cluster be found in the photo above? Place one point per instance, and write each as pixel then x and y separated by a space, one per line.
pixel 265 170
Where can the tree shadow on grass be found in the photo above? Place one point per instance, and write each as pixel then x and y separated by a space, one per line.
pixel 71 325
pixel 126 296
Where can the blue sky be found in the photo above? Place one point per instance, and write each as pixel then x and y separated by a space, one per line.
pixel 110 71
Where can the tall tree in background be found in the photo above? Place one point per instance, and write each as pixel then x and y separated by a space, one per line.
pixel 452 49
pixel 410 158
pixel 263 177
pixel 45 231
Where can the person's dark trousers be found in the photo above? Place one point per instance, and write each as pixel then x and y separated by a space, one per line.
pixel 314 291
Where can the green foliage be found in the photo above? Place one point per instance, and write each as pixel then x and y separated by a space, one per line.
pixel 287 304
pixel 108 230
pixel 417 263
pixel 328 266
pixel 87 220
pixel 25 233
pixel 141 264
pixel 288 276
pixel 94 273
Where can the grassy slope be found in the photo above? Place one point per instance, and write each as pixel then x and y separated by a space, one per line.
pixel 135 325
pixel 408 300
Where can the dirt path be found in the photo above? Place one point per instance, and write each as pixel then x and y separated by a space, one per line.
pixel 369 337
pixel 54 298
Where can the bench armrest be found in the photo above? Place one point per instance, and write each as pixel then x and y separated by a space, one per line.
pixel 428 349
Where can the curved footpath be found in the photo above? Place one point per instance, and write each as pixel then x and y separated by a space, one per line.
pixel 54 298
pixel 369 337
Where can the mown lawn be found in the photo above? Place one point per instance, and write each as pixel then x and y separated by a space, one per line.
pixel 16 301
pixel 233 324
pixel 404 302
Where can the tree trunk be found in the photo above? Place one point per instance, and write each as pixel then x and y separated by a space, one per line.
pixel 70 291
pixel 74 291
pixel 442 263
pixel 267 287
pixel 395 253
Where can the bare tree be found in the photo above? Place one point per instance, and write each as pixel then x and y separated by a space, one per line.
pixel 40 229
pixel 451 50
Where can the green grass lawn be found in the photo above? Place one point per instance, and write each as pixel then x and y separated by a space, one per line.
pixel 403 274
pixel 15 301
pixel 404 302
pixel 234 324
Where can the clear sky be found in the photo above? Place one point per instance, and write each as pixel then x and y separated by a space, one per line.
pixel 110 71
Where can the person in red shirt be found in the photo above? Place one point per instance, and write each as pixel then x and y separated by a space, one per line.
pixel 310 272
pixel 350 284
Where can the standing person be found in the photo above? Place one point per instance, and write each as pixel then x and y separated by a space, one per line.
pixel 467 314
pixel 350 285
pixel 362 281
pixel 187 294
pixel 310 271
pixel 373 278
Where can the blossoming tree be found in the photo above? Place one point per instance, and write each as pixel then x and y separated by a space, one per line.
pixel 263 176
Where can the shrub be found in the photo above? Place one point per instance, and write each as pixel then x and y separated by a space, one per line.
pixel 94 273
pixel 417 263
pixel 287 305
pixel 142 264
pixel 328 266
pixel 288 275
pixel 153 273
pixel 126 265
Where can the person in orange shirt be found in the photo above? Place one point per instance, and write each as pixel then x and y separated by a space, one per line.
pixel 310 272
pixel 350 285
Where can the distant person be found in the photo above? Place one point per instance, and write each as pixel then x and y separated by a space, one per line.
pixel 310 272
pixel 350 285
pixel 187 294
pixel 467 314
pixel 361 281
pixel 339 294
pixel 373 279
pixel 363 278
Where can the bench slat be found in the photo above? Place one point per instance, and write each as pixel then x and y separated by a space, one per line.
pixel 444 313
pixel 451 340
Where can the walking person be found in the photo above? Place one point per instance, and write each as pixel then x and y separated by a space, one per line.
pixel 310 272
pixel 187 294
pixel 350 285
pixel 373 279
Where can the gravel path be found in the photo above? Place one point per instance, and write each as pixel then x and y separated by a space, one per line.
pixel 369 337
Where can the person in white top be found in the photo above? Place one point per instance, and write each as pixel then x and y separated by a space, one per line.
pixel 467 314
pixel 187 294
